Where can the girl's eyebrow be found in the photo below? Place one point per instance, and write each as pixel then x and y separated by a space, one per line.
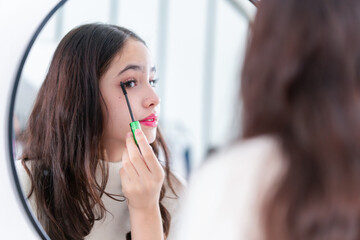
pixel 153 69
pixel 131 67
pixel 136 68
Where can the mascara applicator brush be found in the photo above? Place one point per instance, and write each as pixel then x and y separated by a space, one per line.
pixel 134 124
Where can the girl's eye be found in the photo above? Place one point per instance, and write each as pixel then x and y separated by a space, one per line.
pixel 130 84
pixel 153 82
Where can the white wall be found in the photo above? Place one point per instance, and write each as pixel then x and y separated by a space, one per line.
pixel 18 22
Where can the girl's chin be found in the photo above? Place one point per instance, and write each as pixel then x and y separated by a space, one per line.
pixel 150 135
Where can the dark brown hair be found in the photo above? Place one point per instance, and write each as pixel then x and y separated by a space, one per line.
pixel 63 137
pixel 300 83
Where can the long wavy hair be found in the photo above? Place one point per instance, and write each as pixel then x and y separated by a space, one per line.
pixel 64 132
pixel 301 83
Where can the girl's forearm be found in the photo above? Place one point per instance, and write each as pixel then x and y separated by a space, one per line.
pixel 146 224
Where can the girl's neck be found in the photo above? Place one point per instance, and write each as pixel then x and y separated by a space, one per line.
pixel 113 151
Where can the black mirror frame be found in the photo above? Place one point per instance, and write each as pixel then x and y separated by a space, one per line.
pixel 15 179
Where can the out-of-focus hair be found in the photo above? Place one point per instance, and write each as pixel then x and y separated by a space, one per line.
pixel 301 83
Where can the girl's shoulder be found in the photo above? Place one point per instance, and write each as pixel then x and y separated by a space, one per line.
pixel 177 183
pixel 174 191
pixel 172 200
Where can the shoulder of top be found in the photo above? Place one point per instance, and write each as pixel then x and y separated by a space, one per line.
pixel 250 148
pixel 177 183
pixel 243 155
pixel 177 180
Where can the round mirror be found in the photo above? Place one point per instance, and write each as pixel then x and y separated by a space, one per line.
pixel 198 49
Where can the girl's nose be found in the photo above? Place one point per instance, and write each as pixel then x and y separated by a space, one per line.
pixel 151 98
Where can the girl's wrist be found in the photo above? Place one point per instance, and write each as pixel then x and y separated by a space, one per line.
pixel 154 208
pixel 146 223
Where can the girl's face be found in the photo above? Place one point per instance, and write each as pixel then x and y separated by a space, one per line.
pixel 133 67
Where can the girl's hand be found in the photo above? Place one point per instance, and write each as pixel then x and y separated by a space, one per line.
pixel 142 175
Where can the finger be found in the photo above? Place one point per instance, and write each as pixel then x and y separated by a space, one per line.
pixel 147 152
pixel 125 182
pixel 135 156
pixel 125 179
pixel 128 166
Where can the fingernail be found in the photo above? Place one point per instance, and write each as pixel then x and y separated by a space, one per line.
pixel 138 132
pixel 128 135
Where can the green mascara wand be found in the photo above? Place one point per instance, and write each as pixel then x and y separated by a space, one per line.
pixel 134 124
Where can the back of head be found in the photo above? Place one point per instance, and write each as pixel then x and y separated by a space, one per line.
pixel 301 83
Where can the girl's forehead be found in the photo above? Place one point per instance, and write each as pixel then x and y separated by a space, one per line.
pixel 134 53
pixel 133 57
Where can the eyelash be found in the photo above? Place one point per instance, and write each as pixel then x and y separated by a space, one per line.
pixel 128 84
pixel 132 83
pixel 154 82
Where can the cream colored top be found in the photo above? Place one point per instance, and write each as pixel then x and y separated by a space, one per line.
pixel 225 195
pixel 116 223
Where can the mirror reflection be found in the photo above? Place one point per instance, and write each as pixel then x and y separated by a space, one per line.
pixel 85 173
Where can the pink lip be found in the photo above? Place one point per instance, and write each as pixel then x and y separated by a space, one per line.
pixel 150 121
